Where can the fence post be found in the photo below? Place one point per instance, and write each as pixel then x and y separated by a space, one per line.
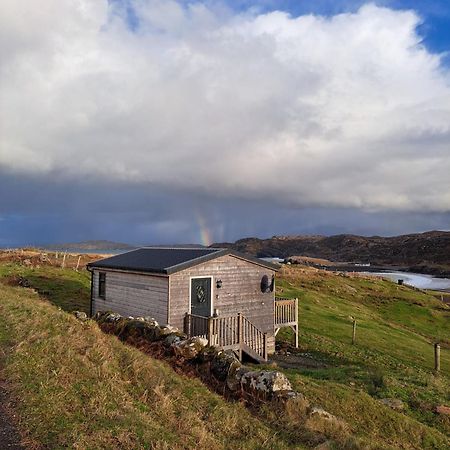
pixel 437 357
pixel 78 263
pixel 296 321
pixel 354 332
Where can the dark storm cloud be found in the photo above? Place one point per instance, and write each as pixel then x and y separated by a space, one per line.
pixel 41 209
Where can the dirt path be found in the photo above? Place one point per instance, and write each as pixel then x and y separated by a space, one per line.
pixel 9 436
pixel 296 361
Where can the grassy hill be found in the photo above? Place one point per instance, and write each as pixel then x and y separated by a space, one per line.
pixel 393 356
pixel 77 387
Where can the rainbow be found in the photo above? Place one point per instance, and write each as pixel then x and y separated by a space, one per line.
pixel 204 232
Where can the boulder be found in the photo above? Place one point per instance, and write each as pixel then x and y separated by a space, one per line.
pixel 107 316
pixel 189 348
pixel 173 339
pixel 268 382
pixel 223 365
pixel 167 330
pixel 149 320
pixel 80 315
pixel 138 329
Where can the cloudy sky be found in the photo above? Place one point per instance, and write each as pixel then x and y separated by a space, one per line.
pixel 169 121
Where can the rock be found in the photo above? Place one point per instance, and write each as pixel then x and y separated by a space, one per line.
pixel 138 329
pixel 166 330
pixel 319 412
pixel 173 339
pixel 80 315
pixel 189 348
pixel 442 409
pixel 224 365
pixel 149 320
pixel 393 403
pixel 107 316
pixel 27 262
pixel 268 382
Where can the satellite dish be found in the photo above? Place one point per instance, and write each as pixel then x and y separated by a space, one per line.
pixel 265 285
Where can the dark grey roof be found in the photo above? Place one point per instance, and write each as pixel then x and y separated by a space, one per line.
pixel 169 260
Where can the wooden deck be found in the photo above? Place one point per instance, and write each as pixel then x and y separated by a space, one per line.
pixel 286 315
pixel 239 334
pixel 235 333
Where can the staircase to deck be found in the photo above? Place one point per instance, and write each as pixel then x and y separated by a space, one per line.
pixel 239 334
pixel 235 333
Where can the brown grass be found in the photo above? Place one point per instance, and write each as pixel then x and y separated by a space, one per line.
pixel 77 387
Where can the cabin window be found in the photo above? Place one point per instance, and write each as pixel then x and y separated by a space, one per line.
pixel 101 284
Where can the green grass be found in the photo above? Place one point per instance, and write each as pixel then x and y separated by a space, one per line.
pixel 393 355
pixel 66 288
pixel 60 367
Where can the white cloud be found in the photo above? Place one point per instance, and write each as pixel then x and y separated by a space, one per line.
pixel 345 111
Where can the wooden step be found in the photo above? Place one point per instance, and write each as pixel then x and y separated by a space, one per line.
pixel 254 355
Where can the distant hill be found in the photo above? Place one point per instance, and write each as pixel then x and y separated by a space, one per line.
pixel 91 245
pixel 422 251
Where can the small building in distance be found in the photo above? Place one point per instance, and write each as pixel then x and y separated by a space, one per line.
pixel 220 294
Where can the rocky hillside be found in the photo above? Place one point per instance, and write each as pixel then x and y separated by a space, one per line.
pixel 430 248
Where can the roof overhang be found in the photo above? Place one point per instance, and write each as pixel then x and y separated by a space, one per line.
pixel 187 264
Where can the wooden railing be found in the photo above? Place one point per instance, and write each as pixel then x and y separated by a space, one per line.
pixel 254 338
pixel 286 315
pixel 196 326
pixel 229 332
pixel 286 312
pixel 225 331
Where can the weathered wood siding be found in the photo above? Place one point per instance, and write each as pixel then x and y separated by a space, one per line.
pixel 240 292
pixel 132 294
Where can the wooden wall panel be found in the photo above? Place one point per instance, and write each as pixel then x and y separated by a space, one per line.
pixel 240 292
pixel 133 295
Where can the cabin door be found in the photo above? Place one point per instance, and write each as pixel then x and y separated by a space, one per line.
pixel 201 296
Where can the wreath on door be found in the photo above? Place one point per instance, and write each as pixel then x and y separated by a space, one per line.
pixel 201 294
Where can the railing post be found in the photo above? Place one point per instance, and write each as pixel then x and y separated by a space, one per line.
pixel 240 334
pixel 265 346
pixel 296 322
pixel 210 330
pixel 187 328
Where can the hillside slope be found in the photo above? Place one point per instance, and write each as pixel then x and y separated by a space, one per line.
pixel 393 356
pixel 76 387
pixel 71 379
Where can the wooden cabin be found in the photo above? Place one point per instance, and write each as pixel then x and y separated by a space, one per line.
pixel 222 295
